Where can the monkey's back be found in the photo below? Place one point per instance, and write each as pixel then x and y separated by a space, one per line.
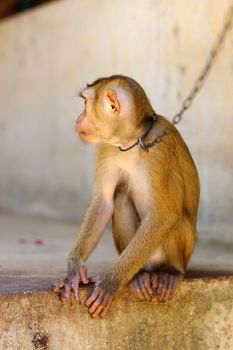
pixel 173 157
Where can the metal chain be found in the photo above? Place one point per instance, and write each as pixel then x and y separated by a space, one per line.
pixel 196 87
pixel 204 72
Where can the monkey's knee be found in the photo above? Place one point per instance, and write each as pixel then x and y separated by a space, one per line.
pixel 189 240
pixel 122 234
pixel 156 260
pixel 179 247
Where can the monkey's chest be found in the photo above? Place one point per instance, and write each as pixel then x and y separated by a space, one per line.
pixel 138 188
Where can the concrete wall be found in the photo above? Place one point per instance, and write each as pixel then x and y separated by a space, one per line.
pixel 200 317
pixel 47 54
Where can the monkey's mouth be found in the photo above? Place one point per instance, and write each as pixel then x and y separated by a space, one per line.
pixel 85 136
pixel 81 133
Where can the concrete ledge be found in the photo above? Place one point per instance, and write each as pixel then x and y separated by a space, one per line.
pixel 199 317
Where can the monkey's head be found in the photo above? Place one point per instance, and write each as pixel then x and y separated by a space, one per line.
pixel 114 109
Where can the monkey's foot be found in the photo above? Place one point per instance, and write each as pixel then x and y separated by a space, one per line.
pixel 164 284
pixel 141 284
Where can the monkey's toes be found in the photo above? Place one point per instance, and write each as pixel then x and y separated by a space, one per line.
pixel 141 285
pixel 166 286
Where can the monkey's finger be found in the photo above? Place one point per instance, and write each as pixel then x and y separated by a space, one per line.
pixel 95 279
pixel 97 312
pixel 146 294
pixel 136 288
pixel 147 284
pixel 169 288
pixel 96 304
pixel 93 297
pixel 154 281
pixel 58 285
pixel 75 290
pixel 67 292
pixel 74 283
pixel 143 288
pixel 164 289
pixel 105 310
pixel 100 308
pixel 175 281
pixel 83 274
pixel 160 285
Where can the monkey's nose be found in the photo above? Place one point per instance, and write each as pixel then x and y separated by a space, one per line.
pixel 77 128
pixel 79 118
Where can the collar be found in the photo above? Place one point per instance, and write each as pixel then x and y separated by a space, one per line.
pixel 140 139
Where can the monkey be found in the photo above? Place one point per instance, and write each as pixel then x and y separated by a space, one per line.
pixel 150 194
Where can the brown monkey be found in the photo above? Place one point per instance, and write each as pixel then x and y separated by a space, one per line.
pixel 151 196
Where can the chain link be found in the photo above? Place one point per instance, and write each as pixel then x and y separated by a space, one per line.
pixel 204 72
pixel 196 86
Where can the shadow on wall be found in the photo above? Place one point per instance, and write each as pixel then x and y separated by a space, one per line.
pixel 10 7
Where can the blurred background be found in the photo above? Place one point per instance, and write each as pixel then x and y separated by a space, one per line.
pixel 51 49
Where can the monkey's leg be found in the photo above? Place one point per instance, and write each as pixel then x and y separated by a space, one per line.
pixel 142 281
pixel 124 225
pixel 178 250
pixel 125 220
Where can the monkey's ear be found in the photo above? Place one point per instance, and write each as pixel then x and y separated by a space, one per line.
pixel 112 100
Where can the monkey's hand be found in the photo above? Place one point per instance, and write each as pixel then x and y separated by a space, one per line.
pixel 71 283
pixel 101 298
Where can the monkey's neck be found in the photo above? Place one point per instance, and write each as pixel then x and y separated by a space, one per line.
pixel 139 136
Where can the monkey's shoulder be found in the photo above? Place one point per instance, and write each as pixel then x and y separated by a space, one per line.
pixel 170 148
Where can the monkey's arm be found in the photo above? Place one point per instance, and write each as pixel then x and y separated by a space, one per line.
pixel 96 219
pixel 150 235
pixel 98 214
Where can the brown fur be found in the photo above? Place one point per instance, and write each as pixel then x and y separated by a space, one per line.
pixel 140 100
pixel 152 197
